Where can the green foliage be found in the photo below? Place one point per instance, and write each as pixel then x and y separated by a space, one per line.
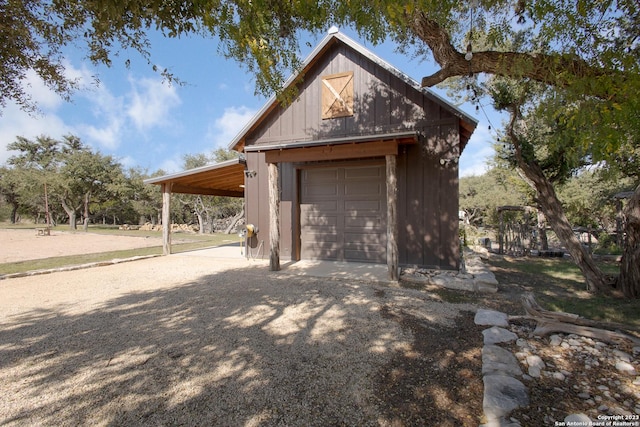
pixel 588 199
pixel 76 177
pixel 594 42
pixel 480 196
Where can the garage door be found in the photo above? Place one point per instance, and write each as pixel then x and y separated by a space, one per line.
pixel 342 214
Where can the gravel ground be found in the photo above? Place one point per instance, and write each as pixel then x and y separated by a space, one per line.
pixel 186 340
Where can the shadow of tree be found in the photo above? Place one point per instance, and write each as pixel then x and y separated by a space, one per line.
pixel 239 347
pixel 234 348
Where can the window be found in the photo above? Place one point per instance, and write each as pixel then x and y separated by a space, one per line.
pixel 337 95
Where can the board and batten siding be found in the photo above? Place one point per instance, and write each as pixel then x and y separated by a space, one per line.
pixel 382 104
pixel 427 204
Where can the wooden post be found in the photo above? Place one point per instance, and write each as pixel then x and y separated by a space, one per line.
pixel 166 219
pixel 274 218
pixel 392 217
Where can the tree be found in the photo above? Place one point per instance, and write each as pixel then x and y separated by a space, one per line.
pixel 575 42
pixel 85 177
pixel 29 171
pixel 208 208
pixel 480 196
pixel 75 175
pixel 548 151
pixel 10 190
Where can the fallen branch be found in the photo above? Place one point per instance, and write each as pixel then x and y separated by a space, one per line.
pixel 550 321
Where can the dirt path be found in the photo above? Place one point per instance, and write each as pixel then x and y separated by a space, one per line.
pixel 21 245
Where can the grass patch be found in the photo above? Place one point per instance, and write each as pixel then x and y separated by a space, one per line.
pixel 558 285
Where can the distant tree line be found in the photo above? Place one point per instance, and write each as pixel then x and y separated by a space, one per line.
pixel 64 180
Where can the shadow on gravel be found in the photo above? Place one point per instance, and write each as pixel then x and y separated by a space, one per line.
pixel 234 348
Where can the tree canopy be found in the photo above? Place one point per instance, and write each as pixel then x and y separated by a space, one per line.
pixel 588 45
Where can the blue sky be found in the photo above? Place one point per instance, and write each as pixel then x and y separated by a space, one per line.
pixel 132 114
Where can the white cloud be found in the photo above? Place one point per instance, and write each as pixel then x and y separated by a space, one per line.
pixel 151 103
pixel 15 122
pixel 477 152
pixel 107 109
pixel 171 166
pixel 226 127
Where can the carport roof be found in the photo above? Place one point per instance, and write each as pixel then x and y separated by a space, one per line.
pixel 219 179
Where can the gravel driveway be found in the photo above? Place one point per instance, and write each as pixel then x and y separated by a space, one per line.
pixel 188 340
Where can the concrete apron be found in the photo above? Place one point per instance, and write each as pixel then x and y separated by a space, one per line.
pixel 328 269
pixel 338 270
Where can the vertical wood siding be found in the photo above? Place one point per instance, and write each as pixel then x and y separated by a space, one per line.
pixel 427 190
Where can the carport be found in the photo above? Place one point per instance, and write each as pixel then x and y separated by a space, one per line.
pixel 219 179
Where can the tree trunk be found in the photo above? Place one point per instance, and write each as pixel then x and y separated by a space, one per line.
pixel 71 213
pixel 543 242
pixel 87 198
pixel 14 213
pixel 629 279
pixel 200 222
pixel 554 211
pixel 234 221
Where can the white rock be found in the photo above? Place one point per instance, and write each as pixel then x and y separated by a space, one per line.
pixel 555 340
pixel 625 367
pixel 621 355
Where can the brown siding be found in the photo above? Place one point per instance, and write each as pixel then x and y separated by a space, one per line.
pixel 428 206
pixel 257 207
pixel 427 190
pixel 382 104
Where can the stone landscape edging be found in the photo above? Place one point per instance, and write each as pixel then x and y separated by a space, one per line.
pixel 75 267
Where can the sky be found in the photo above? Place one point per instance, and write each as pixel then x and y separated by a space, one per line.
pixel 143 121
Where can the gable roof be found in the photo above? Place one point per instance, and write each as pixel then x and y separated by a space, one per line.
pixel 467 123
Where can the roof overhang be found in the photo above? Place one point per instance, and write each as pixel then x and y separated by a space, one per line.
pixel 219 179
pixel 364 146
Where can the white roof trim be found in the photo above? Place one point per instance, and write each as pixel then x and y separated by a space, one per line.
pixel 335 33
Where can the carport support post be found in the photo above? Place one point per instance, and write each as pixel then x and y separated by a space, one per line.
pixel 274 218
pixel 166 219
pixel 392 217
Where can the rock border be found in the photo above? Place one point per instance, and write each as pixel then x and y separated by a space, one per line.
pixel 504 393
pixel 476 276
pixel 75 267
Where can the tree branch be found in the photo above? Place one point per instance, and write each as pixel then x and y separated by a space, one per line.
pixel 553 69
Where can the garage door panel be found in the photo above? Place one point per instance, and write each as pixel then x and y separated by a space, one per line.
pixel 324 250
pixel 364 254
pixel 364 172
pixel 363 222
pixel 321 190
pixel 357 206
pixel 362 189
pixel 349 225
pixel 322 238
pixel 320 207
